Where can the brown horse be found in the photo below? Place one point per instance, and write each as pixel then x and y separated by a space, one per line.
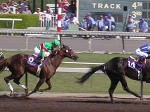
pixel 116 69
pixel 18 66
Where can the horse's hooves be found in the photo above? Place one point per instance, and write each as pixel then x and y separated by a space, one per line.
pixel 141 98
pixel 41 90
pixel 11 93
pixel 27 95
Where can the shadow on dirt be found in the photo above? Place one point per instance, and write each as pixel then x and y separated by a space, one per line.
pixel 106 100
pixel 76 99
pixel 16 97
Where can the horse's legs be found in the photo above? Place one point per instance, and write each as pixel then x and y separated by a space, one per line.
pixel 113 86
pixel 49 85
pixel 7 79
pixel 41 81
pixel 17 81
pixel 126 88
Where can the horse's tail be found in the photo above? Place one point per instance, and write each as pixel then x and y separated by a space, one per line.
pixel 90 72
pixel 3 64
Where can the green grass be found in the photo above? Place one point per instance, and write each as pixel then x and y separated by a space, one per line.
pixel 66 82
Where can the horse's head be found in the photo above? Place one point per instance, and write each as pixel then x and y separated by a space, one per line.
pixel 1 56
pixel 68 52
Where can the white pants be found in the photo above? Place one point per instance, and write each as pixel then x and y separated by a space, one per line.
pixel 139 53
pixel 38 51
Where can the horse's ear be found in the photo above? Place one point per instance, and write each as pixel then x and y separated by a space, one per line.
pixel 62 45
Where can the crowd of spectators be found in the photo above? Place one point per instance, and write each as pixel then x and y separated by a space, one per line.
pixel 23 7
pixel 131 26
pixel 69 14
pixel 104 23
pixel 13 7
pixel 108 23
pixel 20 7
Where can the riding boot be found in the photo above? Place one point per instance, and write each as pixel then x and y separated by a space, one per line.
pixel 140 64
pixel 139 74
pixel 39 67
pixel 38 70
pixel 41 60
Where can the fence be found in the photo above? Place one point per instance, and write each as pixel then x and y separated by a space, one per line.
pixel 77 44
pixel 48 20
pixel 77 70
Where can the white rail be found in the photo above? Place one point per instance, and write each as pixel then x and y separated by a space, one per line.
pixel 77 70
pixel 67 32
pixel 74 70
pixel 86 63
pixel 11 19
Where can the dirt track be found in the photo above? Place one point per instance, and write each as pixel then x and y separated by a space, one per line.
pixel 73 103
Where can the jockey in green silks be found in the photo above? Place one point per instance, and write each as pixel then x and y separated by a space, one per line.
pixel 45 48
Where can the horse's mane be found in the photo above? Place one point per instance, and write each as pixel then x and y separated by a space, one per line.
pixel 55 52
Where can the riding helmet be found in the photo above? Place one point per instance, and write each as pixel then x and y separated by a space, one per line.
pixel 56 42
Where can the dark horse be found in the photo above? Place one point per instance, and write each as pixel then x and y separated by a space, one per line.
pixel 116 69
pixel 18 66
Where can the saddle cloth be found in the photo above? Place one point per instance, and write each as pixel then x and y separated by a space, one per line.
pixel 134 64
pixel 32 60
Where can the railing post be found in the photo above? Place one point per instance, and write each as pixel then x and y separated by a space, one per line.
pixel 59 28
pixel 26 83
pixel 27 42
pixel 123 45
pixel 141 77
pixel 90 44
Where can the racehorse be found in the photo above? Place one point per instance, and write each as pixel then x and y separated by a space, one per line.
pixel 116 69
pixel 18 66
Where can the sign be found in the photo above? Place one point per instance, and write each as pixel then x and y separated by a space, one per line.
pixel 106 6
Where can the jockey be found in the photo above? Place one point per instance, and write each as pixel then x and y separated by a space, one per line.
pixel 142 53
pixel 44 49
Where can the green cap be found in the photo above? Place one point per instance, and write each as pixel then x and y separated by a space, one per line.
pixel 56 42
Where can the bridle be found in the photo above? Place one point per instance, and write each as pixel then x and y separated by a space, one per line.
pixel 64 53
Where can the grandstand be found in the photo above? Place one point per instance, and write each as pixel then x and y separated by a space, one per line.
pixel 120 9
